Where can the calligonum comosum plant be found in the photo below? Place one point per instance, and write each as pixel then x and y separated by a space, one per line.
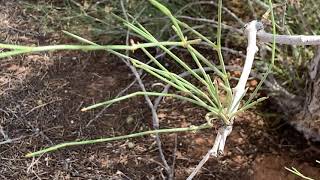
pixel 219 99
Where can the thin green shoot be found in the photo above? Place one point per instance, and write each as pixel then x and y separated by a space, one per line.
pixel 296 172
pixel 117 138
pixel 141 94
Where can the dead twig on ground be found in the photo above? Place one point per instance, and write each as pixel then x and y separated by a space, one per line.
pixel 174 157
pixel 155 119
pixel 8 140
pixel 216 149
pixel 41 105
pixel 106 107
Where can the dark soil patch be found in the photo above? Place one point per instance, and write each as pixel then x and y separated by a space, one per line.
pixel 41 97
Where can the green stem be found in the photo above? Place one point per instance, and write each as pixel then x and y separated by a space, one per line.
pixel 209 83
pixel 25 49
pixel 182 85
pixel 198 34
pixel 167 12
pixel 149 37
pixel 139 93
pixel 220 56
pixel 101 140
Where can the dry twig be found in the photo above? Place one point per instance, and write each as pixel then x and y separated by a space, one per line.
pixel 155 119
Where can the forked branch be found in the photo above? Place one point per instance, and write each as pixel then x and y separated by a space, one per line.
pixel 251 30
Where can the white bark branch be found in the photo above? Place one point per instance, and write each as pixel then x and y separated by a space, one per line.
pixel 201 163
pixel 217 149
pixel 251 31
pixel 301 40
pixel 263 36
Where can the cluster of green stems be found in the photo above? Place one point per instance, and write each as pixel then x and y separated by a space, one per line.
pixel 210 99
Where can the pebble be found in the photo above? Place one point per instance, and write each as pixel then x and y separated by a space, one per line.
pixel 131 145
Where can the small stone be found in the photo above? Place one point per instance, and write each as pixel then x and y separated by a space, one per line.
pixel 131 145
pixel 130 120
pixel 238 159
pixel 254 83
pixel 260 123
pixel 240 140
pixel 91 158
pixel 40 102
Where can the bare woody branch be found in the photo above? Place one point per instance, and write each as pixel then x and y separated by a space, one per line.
pixel 301 40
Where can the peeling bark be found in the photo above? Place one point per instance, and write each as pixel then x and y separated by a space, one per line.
pixel 307 120
pixel 303 110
